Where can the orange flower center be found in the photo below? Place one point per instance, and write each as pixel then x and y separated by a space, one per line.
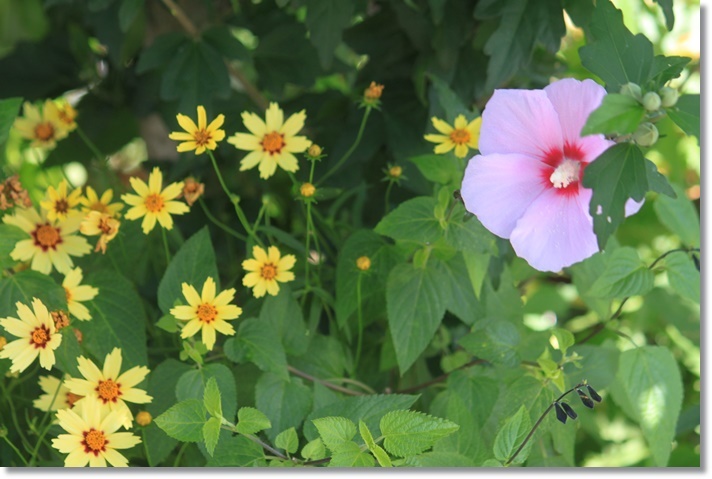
pixel 273 142
pixel 269 271
pixel 94 441
pixel 46 236
pixel 207 313
pixel 202 137
pixel 72 398
pixel 40 337
pixel 106 225
pixel 44 131
pixel 61 206
pixel 65 117
pixel 460 136
pixel 108 390
pixel 154 203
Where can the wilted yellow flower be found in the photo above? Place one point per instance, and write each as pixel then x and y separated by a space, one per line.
pixel 192 190
pixel 461 137
pixel 92 202
pixel 266 269
pixel 58 204
pixel 104 224
pixel 271 143
pixel 45 128
pixel 13 194
pixel 200 137
pixel 373 93
pixel 60 319
pixel 153 203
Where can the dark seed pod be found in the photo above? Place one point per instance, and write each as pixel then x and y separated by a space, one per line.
pixel 585 399
pixel 560 414
pixel 596 397
pixel 569 411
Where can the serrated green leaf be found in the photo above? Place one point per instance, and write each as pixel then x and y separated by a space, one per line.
pixel 649 389
pixel 599 365
pixel 666 68
pixel 679 216
pixel 251 421
pixel 686 114
pixel 416 300
pixel 684 278
pixel 510 437
pixel 465 232
pixel 625 275
pixel 407 433
pixel 184 421
pixel 192 384
pixel 286 403
pixel 168 323
pixel 618 114
pixel 211 433
pixel 9 108
pixel 439 459
pixel 666 5
pixel 366 435
pixel 211 399
pixel 258 346
pixel 496 342
pixel 349 454
pixel 614 53
pixel 287 440
pixel 335 431
pixel 193 264
pixel 463 303
pixel 413 220
pixel 236 451
pixel 282 316
pixel 564 338
pixel 326 20
pixel 314 450
pixel 381 456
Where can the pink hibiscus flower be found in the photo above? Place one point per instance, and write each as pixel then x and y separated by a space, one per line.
pixel 526 183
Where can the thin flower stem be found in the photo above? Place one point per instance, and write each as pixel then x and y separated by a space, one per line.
pixel 46 428
pixel 17 451
pixel 165 246
pixel 219 224
pixel 259 217
pixel 329 385
pixel 90 144
pixel 179 456
pixel 350 150
pixel 388 194
pixel 359 342
pixel 307 241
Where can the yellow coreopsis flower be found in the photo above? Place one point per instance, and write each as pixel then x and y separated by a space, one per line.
pixel 51 243
pixel 37 337
pixel 45 128
pixel 56 395
pixel 110 387
pixel 58 204
pixel 461 137
pixel 92 202
pixel 266 269
pixel 77 293
pixel 271 143
pixel 93 438
pixel 104 224
pixel 67 115
pixel 201 136
pixel 207 312
pixel 153 202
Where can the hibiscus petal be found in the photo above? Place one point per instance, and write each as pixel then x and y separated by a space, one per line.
pixel 573 101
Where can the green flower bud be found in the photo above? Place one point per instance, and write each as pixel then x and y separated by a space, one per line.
pixel 669 96
pixel 651 101
pixel 632 89
pixel 646 134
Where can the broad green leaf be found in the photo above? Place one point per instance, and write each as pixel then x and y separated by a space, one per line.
pixel 349 454
pixel 510 437
pixel 564 338
pixel 222 40
pixel 620 173
pixel 584 274
pixel 128 12
pixel 211 399
pixel 477 265
pixel 193 264
pixel 416 301
pixel 335 431
pixel 168 323
pixel 9 108
pixel 285 402
pixel 314 450
pixel 625 275
pixel 326 20
pixel 184 421
pixel 684 278
pixel 613 52
pixel 118 319
pixel 463 302
pixel 24 286
pixel 618 114
pixel 407 433
pixel 599 365
pixel 163 48
pixel 9 236
pixel 438 168
pixel 465 232
pixel 496 341
pixel 468 439
pixel 679 216
pixel 413 220
pixel 327 357
pixel 192 384
pixel 211 434
pixel 67 353
pixel 251 421
pixel 282 317
pixel 649 389
pixel 370 409
pixel 686 114
pixel 667 68
pixel 287 440
pixel 438 459
pixel 666 5
pixel 236 451
pixel 255 343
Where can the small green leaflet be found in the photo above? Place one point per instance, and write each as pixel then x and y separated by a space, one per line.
pixel 211 398
pixel 510 437
pixel 407 433
pixel 376 450
pixel 287 440
pixel 350 454
pixel 679 216
pixel 618 114
pixel 314 450
pixel 184 421
pixel 251 421
pixel 335 431
pixel 211 433
pixel 684 278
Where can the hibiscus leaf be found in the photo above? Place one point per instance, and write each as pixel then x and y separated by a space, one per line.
pixel 686 114
pixel 618 114
pixel 620 173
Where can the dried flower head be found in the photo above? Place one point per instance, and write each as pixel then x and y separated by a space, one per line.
pixel 192 190
pixel 13 194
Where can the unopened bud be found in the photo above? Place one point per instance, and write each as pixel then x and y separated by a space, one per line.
pixel 632 90
pixel 668 96
pixel 307 190
pixel 314 151
pixel 651 101
pixel 60 318
pixel 395 171
pixel 363 263
pixel 144 418
pixel 646 134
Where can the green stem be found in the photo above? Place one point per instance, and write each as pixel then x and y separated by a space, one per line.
pixel 350 150
pixel 259 217
pixel 360 320
pixel 219 224
pixel 307 286
pixel 90 144
pixel 176 463
pixel 17 451
pixel 46 428
pixel 165 246
pixel 388 194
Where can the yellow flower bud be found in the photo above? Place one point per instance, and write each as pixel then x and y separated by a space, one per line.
pixel 307 190
pixel 395 171
pixel 363 263
pixel 314 150
pixel 144 418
